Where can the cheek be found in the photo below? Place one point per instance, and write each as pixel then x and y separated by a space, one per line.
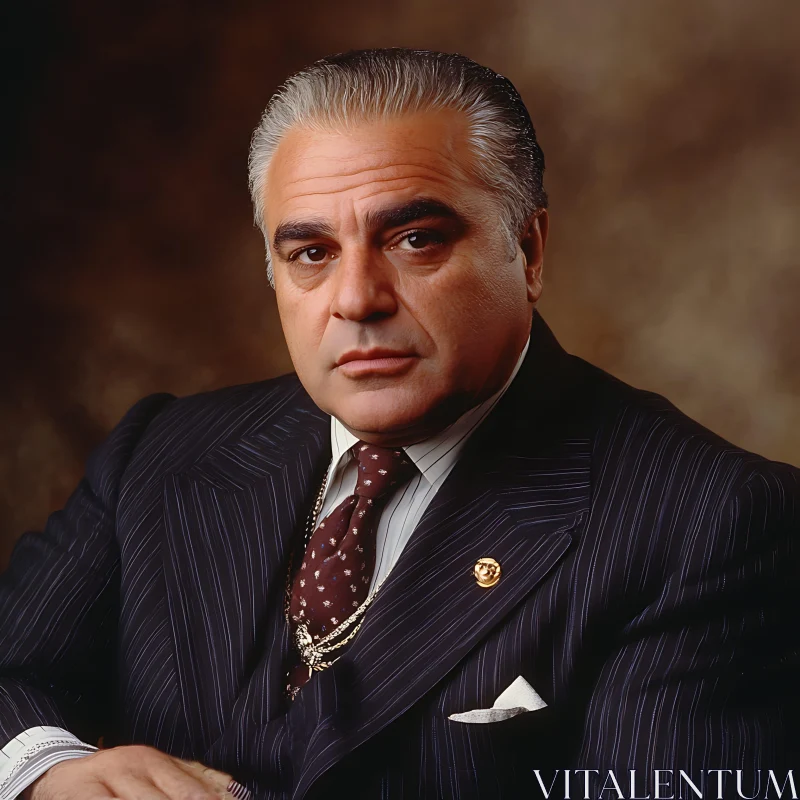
pixel 468 301
pixel 302 329
pixel 499 295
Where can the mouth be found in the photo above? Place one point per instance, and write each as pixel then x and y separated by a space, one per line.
pixel 356 363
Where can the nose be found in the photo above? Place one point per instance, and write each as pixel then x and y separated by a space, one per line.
pixel 363 286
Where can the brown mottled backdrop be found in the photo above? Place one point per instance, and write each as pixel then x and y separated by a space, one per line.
pixel 130 264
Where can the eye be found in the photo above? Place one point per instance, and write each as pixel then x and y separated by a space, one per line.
pixel 418 240
pixel 310 255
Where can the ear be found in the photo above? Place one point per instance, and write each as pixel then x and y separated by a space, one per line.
pixel 532 244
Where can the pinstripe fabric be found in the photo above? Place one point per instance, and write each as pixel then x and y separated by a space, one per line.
pixel 648 595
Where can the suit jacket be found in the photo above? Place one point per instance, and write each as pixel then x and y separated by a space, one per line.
pixel 648 594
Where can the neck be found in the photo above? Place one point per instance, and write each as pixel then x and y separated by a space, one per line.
pixel 434 422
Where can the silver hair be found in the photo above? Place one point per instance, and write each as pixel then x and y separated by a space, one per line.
pixel 364 85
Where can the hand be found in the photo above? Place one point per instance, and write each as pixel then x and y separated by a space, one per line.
pixel 133 772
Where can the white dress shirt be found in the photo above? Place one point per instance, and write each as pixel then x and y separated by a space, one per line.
pixel 34 751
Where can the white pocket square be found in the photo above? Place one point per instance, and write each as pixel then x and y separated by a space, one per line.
pixel 519 698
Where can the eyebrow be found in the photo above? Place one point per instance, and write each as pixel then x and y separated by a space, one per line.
pixel 412 211
pixel 298 231
pixel 390 217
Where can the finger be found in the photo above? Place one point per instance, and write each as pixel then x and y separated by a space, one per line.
pixel 132 787
pixel 177 782
pixel 219 780
pixel 229 788
pixel 97 791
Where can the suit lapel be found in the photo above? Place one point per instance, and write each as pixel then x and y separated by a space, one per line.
pixel 230 520
pixel 519 494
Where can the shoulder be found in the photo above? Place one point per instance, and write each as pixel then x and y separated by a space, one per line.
pixel 674 497
pixel 639 425
pixel 644 445
pixel 174 432
pixel 230 409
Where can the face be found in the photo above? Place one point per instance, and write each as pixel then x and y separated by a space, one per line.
pixel 402 301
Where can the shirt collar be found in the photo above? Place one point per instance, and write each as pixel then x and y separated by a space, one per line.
pixel 435 455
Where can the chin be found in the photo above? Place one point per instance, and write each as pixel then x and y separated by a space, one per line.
pixel 379 422
pixel 376 412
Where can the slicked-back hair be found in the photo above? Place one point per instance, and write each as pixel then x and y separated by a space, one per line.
pixel 343 90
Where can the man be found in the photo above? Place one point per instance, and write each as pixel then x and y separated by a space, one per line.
pixel 443 559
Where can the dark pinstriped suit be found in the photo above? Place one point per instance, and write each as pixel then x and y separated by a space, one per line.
pixel 649 595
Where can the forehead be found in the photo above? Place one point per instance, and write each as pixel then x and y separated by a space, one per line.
pixel 333 172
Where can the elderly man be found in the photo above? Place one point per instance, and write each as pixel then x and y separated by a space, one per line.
pixel 445 559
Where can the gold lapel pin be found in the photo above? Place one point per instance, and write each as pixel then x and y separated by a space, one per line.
pixel 487 572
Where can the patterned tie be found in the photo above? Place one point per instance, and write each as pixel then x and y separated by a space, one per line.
pixel 334 578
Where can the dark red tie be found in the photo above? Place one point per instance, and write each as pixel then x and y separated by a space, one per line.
pixel 336 571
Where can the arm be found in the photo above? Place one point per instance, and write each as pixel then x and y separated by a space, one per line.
pixel 705 676
pixel 59 610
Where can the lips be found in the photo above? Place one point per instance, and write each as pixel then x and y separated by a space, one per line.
pixel 371 355
pixel 378 361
